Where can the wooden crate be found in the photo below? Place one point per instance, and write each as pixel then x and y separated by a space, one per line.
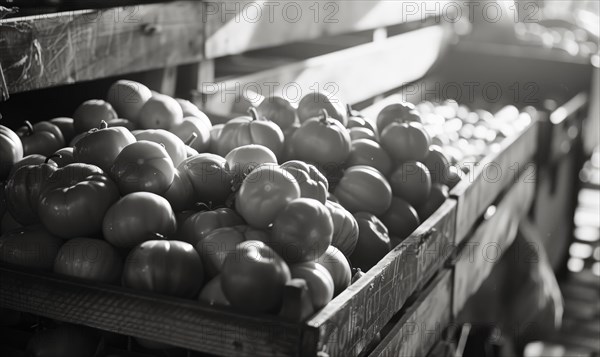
pixel 490 239
pixel 422 324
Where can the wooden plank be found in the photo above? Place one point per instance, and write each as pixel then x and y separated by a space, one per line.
pixel 349 322
pixel 49 50
pixel 348 74
pixel 183 323
pixel 237 27
pixel 490 240
pixel 423 323
pixel 491 176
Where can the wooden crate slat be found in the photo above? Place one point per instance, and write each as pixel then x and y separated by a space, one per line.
pixel 184 323
pixel 423 323
pixel 490 240
pixel 348 323
pixel 49 50
pixel 349 74
pixel 237 27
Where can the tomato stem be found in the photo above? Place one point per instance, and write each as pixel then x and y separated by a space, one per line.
pixel 158 236
pixel 191 139
pixel 103 124
pixel 324 115
pixel 29 127
pixel 52 156
pixel 253 113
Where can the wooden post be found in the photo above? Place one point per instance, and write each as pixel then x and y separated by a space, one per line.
pixel 192 77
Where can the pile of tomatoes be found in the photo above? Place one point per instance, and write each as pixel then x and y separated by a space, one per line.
pixel 142 190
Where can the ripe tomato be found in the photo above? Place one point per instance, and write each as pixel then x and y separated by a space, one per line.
pixel 90 259
pixel 373 242
pixel 193 125
pixel 212 293
pixel 319 281
pixel 363 188
pixel 191 110
pixel 30 247
pixel 128 97
pixel 215 133
pixel 209 177
pixel 138 217
pixel 401 219
pixel 369 153
pixel 199 225
pixel 8 223
pixel 397 113
pixel 159 112
pixel 357 120
pixel 253 277
pixel 345 228
pixel 66 126
pixel 164 267
pixel 338 266
pixel 439 195
pixel 65 340
pixel 312 104
pixel 250 130
pixel 33 159
pixel 143 166
pixel 455 175
pixel 412 182
pixel 127 124
pixel 405 142
pixel 242 160
pixel 76 209
pixel 42 138
pixel 362 133
pixel 101 147
pixel 63 157
pixel 181 192
pixel 278 110
pixel 264 193
pixel 312 182
pixel 174 146
pixel 321 140
pixel 213 248
pixel 438 165
pixel 302 231
pixel 11 150
pixel 91 113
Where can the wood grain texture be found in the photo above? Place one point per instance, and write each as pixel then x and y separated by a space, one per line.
pixel 423 322
pixel 237 27
pixel 491 176
pixel 491 239
pixel 183 323
pixel 49 50
pixel 348 323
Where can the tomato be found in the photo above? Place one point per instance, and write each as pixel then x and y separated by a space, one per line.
pixel 42 138
pixel 401 219
pixel 312 104
pixel 362 133
pixel 33 159
pixel 23 191
pixel 30 247
pixel 193 125
pixel 212 293
pixel 125 123
pixel 143 166
pixel 65 340
pixel 181 192
pixel 63 157
pixel 253 277
pixel 190 152
pixel 191 110
pixel 405 142
pixel 138 217
pixel 9 223
pixel 373 242
pixel 76 209
pixel 363 188
pixel 369 153
pixel 278 110
pixel 250 130
pixel 338 266
pixel 199 225
pixel 159 112
pixel 215 133
pixel 242 160
pixel 312 182
pixel 210 179
pixel 164 267
pixel 322 140
pixel 438 165
pixel 319 281
pixel 128 98
pixel 455 175
pixel 439 195
pixel 357 120
pixel 174 146
pixel 90 259
pixel 412 182
pixel 213 249
pixel 397 113
pixel 66 126
pixel 101 147
pixel 345 228
pixel 11 150
pixel 91 113
pixel 264 193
